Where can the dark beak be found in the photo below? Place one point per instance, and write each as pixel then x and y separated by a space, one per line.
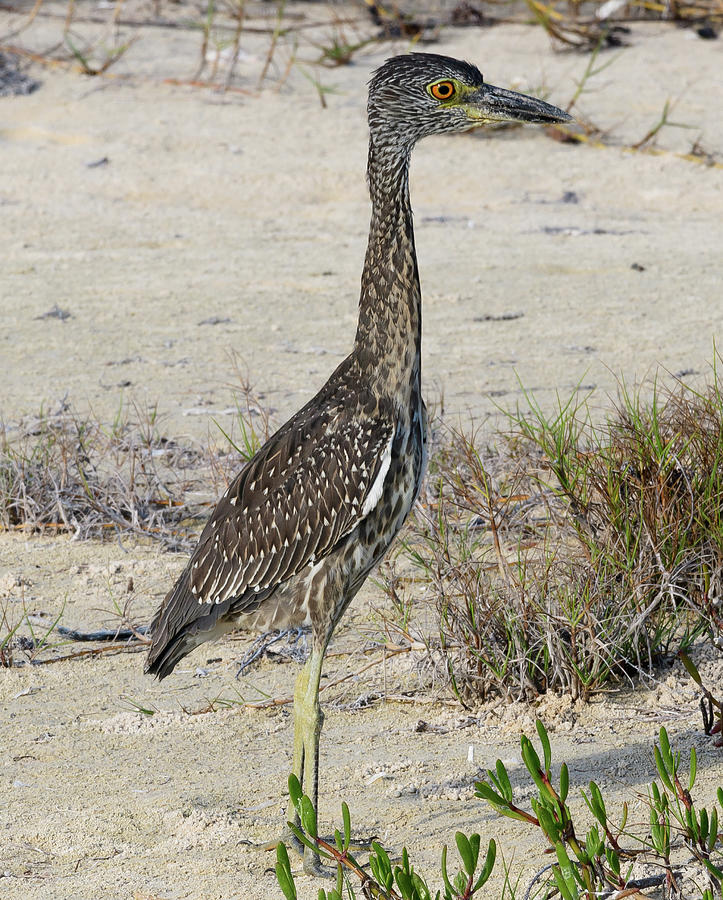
pixel 493 104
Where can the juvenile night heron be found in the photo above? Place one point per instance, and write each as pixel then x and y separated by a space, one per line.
pixel 301 526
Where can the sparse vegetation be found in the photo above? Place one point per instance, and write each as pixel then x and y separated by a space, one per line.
pixel 62 472
pixel 578 552
pixel 387 881
pixel 94 39
pixel 30 643
pixel 66 472
pixel 571 554
pixel 679 846
pixel 281 37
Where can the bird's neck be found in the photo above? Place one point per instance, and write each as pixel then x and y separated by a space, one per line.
pixel 388 338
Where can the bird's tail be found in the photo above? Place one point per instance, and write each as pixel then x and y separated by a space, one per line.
pixel 177 628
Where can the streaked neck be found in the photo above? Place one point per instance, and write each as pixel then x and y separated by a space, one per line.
pixel 388 338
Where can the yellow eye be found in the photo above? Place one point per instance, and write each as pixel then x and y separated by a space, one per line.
pixel 442 90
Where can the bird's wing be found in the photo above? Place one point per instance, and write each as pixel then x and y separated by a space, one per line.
pixel 305 489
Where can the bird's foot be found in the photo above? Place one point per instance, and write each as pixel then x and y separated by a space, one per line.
pixel 286 837
pixel 312 864
pixel 364 843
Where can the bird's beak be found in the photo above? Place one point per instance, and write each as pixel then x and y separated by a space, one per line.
pixel 489 104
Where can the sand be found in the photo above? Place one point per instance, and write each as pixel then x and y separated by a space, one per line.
pixel 251 209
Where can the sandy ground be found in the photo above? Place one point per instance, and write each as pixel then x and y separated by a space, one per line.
pixel 102 801
pixel 252 208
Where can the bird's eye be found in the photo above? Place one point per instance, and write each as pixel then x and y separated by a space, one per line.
pixel 442 90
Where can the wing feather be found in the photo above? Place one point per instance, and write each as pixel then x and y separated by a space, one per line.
pixel 310 485
pixel 292 505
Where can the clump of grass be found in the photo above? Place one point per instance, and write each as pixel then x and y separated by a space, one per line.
pixel 63 471
pixel 644 492
pixel 31 642
pixel 97 57
pixel 577 552
pixel 67 472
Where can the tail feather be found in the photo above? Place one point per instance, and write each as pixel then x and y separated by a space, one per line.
pixel 162 660
pixel 179 625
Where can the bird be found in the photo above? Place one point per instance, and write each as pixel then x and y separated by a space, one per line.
pixel 303 524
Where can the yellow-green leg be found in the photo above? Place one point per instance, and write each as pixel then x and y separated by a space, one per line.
pixel 308 719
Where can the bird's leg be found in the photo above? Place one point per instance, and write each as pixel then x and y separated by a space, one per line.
pixel 308 719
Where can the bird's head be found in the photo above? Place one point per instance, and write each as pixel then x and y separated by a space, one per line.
pixel 418 94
